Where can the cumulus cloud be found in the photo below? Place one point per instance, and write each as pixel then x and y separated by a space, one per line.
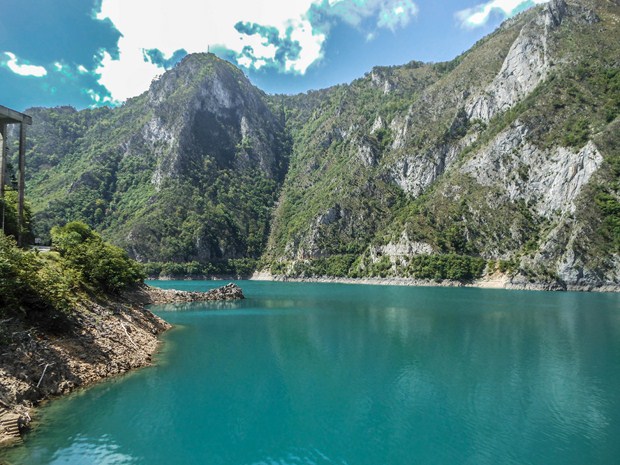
pixel 266 45
pixel 285 34
pixel 154 30
pixel 397 14
pixel 390 14
pixel 22 67
pixel 479 15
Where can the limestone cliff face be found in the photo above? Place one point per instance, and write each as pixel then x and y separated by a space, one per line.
pixel 206 109
pixel 525 66
pixel 482 153
pixel 548 181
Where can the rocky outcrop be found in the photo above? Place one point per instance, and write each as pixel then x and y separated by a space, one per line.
pixel 401 250
pixel 548 180
pixel 221 116
pixel 525 66
pixel 529 59
pixel 154 295
pixel 415 172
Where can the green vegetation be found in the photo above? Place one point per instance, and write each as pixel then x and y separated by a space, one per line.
pixel 335 265
pixel 8 215
pixel 46 288
pixel 33 284
pixel 243 267
pixel 450 266
pixel 437 267
pixel 122 171
pixel 100 265
pixel 606 192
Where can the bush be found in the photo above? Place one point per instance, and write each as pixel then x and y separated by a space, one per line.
pixel 8 209
pixel 102 265
pixel 234 267
pixel 508 266
pixel 34 284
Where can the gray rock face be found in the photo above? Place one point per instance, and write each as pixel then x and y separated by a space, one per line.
pixel 528 61
pixel 414 173
pixel 547 180
pixel 379 79
pixel 562 251
pixel 525 66
pixel 219 116
pixel 399 127
pixel 309 246
pixel 401 250
pixel 366 151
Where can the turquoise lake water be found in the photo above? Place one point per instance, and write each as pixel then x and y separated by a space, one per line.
pixel 348 374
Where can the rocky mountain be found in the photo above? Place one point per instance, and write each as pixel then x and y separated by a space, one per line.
pixel 505 159
pixel 187 171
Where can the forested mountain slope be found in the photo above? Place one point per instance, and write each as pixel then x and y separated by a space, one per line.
pixel 187 171
pixel 507 157
pixel 509 153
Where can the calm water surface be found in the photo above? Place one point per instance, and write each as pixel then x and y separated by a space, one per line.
pixel 345 374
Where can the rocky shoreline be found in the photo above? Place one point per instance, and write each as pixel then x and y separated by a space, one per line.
pixel 496 281
pixel 106 338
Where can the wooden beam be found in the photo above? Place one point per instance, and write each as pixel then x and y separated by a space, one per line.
pixel 11 116
pixel 21 184
pixel 2 171
pixel 2 158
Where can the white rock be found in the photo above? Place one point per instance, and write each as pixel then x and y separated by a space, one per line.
pixel 554 177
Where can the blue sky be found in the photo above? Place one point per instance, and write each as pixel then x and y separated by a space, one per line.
pixel 101 52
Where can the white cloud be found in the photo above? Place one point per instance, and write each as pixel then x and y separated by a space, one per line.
pixel 289 36
pixel 128 76
pixel 194 26
pixel 311 46
pixel 391 13
pixel 479 15
pixel 23 69
pixel 397 13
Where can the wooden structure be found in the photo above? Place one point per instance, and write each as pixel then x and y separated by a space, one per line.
pixel 8 116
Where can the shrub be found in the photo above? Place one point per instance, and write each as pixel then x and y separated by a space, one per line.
pixel 34 284
pixel 102 265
